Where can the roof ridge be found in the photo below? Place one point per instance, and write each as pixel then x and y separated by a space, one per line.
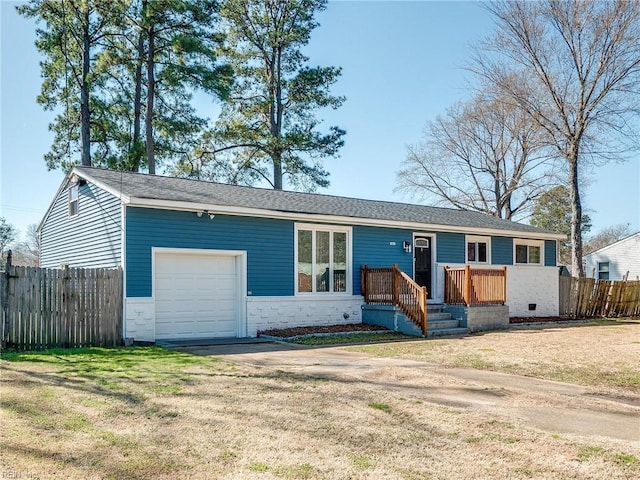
pixel 146 186
pixel 295 192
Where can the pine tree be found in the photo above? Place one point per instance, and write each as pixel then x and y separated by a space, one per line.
pixel 553 212
pixel 69 40
pixel 145 60
pixel 268 127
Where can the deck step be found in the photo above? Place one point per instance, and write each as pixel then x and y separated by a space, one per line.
pixel 438 316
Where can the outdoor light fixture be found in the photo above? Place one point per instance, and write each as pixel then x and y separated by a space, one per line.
pixel 407 246
pixel 202 212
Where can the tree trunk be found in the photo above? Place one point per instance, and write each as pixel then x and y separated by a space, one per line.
pixel 85 121
pixel 576 213
pixel 151 86
pixel 498 196
pixel 508 213
pixel 277 171
pixel 136 151
pixel 276 127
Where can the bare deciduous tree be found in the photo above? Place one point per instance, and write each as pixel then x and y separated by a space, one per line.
pixel 481 155
pixel 32 245
pixel 26 253
pixel 607 236
pixel 574 67
pixel 7 235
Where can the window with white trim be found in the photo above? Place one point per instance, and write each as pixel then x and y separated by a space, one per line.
pixel 527 252
pixel 73 200
pixel 322 259
pixel 478 249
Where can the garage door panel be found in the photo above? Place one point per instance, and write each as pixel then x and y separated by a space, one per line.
pixel 196 295
pixel 190 264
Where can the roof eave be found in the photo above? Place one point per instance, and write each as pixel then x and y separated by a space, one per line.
pixel 104 186
pixel 606 247
pixel 283 215
pixel 82 174
pixel 62 186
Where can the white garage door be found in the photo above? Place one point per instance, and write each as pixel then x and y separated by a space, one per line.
pixel 196 295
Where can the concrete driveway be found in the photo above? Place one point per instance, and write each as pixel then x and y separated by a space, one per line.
pixel 550 406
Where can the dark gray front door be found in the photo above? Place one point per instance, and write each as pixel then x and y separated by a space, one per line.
pixel 422 262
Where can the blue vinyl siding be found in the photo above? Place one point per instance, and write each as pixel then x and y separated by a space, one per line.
pixel 502 251
pixel 450 247
pixel 92 239
pixel 268 243
pixel 372 247
pixel 550 253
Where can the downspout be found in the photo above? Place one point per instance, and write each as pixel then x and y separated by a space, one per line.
pixel 123 252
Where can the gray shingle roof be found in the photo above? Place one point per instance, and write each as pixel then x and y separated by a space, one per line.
pixel 157 187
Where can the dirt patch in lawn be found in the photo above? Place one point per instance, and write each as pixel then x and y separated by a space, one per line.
pixel 149 413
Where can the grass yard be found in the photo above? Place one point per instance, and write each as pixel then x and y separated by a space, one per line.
pixel 604 355
pixel 149 413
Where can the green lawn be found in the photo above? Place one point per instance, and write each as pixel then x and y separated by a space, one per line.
pixel 157 414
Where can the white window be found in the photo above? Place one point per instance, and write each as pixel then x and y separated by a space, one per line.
pixel 73 201
pixel 478 249
pixel 528 252
pixel 323 259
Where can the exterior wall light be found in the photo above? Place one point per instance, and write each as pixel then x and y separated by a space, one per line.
pixel 202 212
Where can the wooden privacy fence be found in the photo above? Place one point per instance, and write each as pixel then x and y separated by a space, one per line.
pixel 589 298
pixel 391 286
pixel 69 308
pixel 475 286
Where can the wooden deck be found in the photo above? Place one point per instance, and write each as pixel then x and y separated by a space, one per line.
pixel 475 286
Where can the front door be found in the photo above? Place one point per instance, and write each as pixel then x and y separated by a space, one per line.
pixel 422 263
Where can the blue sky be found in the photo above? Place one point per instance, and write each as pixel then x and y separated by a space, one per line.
pixel 402 66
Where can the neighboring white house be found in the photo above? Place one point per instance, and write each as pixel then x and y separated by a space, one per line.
pixel 614 261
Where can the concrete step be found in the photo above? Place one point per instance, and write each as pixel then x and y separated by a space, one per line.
pixel 447 332
pixel 435 307
pixel 439 323
pixel 445 323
